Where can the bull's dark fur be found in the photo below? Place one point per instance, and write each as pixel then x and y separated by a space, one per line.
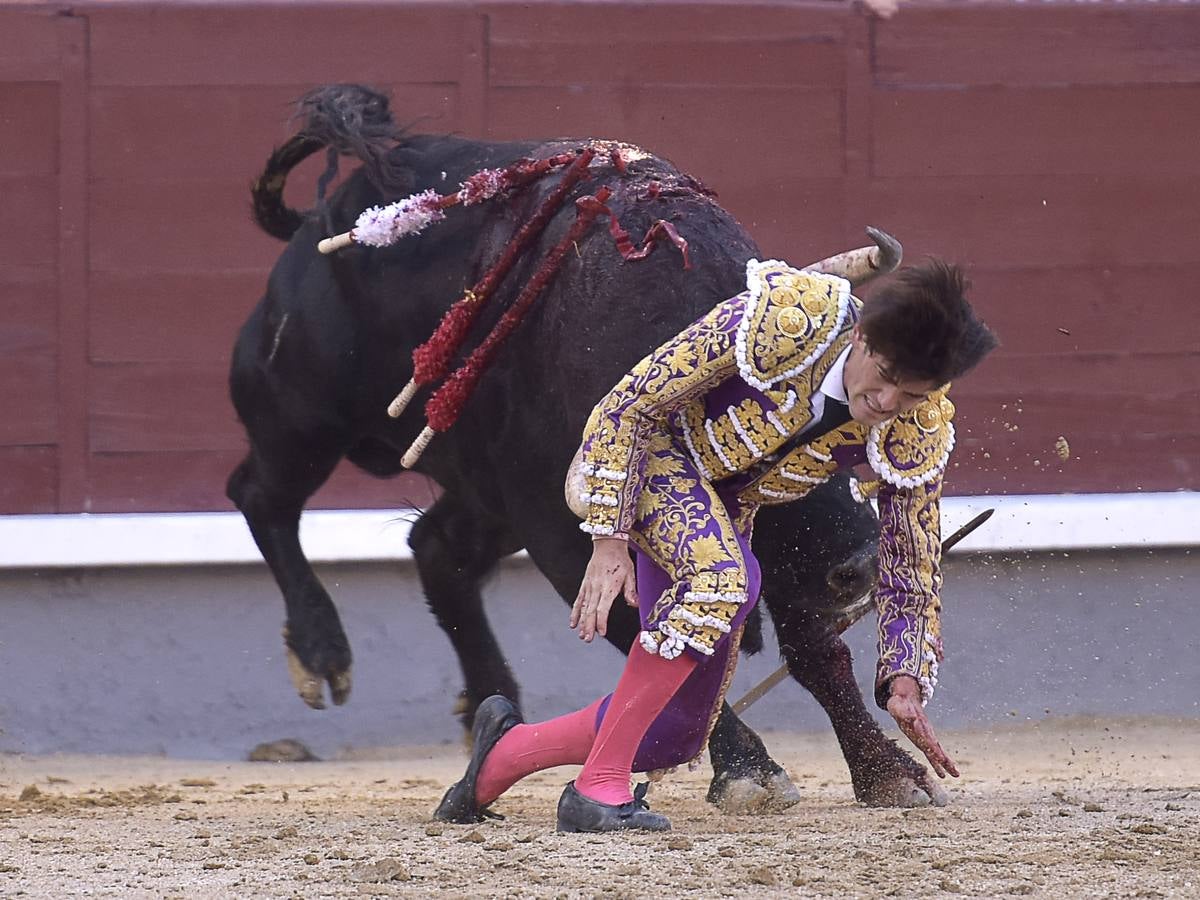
pixel 330 344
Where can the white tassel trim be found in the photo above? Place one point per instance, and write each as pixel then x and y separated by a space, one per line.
pixel 712 440
pixel 674 642
pixel 743 434
pixel 823 457
pixel 594 471
pixel 599 499
pixel 709 621
pixel 687 439
pixel 806 479
pixel 886 471
pixel 779 426
pixel 779 495
pixel 929 682
pixel 754 285
pixel 668 646
pixel 596 529
pixel 738 597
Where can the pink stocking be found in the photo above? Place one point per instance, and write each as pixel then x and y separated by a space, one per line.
pixel 526 749
pixel 646 686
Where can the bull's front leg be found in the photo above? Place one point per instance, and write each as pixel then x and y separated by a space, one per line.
pixel 882 773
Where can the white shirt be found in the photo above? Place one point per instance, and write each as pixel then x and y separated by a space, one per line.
pixel 833 386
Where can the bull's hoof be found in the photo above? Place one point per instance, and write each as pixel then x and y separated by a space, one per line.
pixel 311 687
pixel 783 794
pixel 738 797
pixel 748 795
pixel 903 792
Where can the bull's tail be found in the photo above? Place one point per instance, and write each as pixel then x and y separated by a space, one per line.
pixel 348 119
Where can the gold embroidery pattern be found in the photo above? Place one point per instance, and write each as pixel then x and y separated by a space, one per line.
pixel 910 580
pixel 791 319
pixel 663 382
pixel 914 448
pixel 802 469
pixel 684 527
pixel 732 441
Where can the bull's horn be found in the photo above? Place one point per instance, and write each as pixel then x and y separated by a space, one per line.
pixel 861 265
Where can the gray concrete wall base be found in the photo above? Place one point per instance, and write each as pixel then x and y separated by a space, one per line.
pixel 189 662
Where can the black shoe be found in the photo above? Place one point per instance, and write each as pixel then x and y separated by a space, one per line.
pixel 579 813
pixel 493 719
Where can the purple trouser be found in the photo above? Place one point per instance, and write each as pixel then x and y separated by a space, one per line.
pixel 679 732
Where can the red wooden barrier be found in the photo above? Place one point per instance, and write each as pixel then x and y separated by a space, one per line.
pixel 1050 147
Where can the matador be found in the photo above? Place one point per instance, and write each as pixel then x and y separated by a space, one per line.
pixel 756 403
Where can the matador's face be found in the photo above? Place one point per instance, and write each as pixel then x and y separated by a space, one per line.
pixel 874 391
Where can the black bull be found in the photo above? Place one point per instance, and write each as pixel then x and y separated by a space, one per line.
pixel 329 345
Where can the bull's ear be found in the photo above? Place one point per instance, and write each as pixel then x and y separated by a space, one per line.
pixel 861 265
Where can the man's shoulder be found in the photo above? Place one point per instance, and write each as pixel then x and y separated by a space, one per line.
pixel 791 318
pixel 914 448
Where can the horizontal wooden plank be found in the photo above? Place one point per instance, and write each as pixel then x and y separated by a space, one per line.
pixel 629 21
pixel 681 58
pixel 27 308
pixel 351 488
pixel 30 482
pixel 1041 221
pixel 28 353
pixel 1127 130
pixel 1109 463
pixel 28 398
pixel 29 44
pixel 168 316
pixel 202 131
pixel 1086 421
pixel 158 406
pixel 29 226
pixel 798 220
pixel 1029 44
pixel 1131 309
pixel 29 121
pixel 160 482
pixel 232 44
pixel 195 481
pixel 190 226
pixel 677 122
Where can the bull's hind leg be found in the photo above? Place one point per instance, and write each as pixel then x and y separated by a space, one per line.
pixel 455 547
pixel 270 491
pixel 882 773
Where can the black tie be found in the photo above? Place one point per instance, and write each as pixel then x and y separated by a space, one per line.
pixel 835 413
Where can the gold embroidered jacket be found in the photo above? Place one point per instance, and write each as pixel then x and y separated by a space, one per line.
pixel 730 390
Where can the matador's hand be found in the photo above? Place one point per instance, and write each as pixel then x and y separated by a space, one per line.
pixel 905 707
pixel 610 572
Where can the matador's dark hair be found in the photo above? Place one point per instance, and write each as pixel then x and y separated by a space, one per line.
pixel 922 324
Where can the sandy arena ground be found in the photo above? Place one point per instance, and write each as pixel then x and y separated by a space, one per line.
pixel 1079 807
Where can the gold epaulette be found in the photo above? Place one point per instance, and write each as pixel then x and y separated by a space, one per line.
pixel 914 448
pixel 791 318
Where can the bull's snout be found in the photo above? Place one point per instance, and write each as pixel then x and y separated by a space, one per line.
pixel 854 577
